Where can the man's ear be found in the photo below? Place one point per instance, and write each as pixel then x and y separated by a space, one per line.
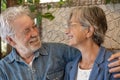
pixel 10 41
pixel 90 31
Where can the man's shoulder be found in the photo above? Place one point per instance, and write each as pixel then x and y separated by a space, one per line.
pixel 4 59
pixel 59 46
pixel 56 45
pixel 7 59
pixel 3 62
pixel 53 44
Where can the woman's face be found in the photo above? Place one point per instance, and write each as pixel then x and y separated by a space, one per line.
pixel 76 33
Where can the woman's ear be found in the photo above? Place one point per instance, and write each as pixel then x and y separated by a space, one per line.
pixel 90 31
pixel 10 41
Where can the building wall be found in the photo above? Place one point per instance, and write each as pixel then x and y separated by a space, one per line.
pixel 53 31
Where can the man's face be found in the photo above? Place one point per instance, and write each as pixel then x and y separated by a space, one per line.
pixel 27 37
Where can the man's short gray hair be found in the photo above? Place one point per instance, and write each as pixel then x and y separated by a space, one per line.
pixel 7 17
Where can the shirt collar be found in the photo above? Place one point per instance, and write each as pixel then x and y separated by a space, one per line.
pixel 41 51
pixel 99 59
pixel 101 55
pixel 13 56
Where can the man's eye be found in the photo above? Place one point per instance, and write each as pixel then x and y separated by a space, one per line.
pixel 26 31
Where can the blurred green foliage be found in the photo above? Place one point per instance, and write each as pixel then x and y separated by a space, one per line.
pixel 34 6
pixel 112 1
pixel 3 5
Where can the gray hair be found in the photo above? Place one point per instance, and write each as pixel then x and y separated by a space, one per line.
pixel 92 16
pixel 7 17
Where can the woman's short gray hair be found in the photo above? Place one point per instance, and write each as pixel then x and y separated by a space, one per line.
pixel 7 17
pixel 92 16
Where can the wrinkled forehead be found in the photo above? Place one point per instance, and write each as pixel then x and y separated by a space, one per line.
pixel 22 22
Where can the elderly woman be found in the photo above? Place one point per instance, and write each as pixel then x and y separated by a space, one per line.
pixel 86 30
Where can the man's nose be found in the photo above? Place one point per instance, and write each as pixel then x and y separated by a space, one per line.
pixel 34 32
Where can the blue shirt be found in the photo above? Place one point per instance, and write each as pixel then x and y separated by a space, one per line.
pixel 49 63
pixel 99 70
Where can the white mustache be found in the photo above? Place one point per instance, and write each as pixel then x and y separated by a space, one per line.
pixel 33 39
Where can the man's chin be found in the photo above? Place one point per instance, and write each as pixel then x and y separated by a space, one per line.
pixel 35 47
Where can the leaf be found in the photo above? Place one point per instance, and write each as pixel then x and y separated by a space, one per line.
pixel 3 7
pixel 39 19
pixel 32 8
pixel 4 1
pixel 61 2
pixel 48 6
pixel 48 16
pixel 30 1
pixel 20 2
pixel 37 1
pixel 108 1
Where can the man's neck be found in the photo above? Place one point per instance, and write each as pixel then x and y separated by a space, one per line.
pixel 28 59
pixel 26 55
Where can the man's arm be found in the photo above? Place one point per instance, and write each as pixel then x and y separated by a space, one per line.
pixel 115 66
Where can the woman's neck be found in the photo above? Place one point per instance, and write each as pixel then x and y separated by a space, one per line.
pixel 89 53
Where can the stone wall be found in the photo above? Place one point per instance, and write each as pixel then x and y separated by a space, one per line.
pixel 53 31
